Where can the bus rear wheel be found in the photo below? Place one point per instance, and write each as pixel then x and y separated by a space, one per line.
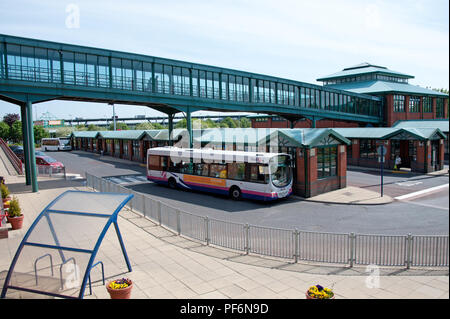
pixel 172 183
pixel 235 193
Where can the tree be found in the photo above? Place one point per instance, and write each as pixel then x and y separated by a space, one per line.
pixel 181 124
pixel 245 122
pixel 80 127
pixel 39 133
pixel 208 123
pixel 63 131
pixel 158 126
pixel 229 122
pixel 10 118
pixel 119 126
pixel 93 127
pixel 15 133
pixel 4 130
pixel 145 126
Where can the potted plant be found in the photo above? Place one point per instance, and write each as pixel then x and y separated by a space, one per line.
pixel 5 193
pixel 15 216
pixel 319 292
pixel 120 288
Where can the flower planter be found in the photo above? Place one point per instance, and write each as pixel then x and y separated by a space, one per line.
pixel 16 222
pixel 123 293
pixel 309 297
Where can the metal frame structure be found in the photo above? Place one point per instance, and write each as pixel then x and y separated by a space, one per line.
pixel 111 219
pixel 35 71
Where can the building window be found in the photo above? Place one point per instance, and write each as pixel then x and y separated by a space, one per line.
pixel 414 102
pixel 136 150
pixel 427 104
pixel 326 161
pixel 125 148
pixel 261 119
pixel 399 103
pixel 367 149
pixel 439 107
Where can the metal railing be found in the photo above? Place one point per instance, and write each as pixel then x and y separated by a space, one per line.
pixel 15 161
pixel 46 170
pixel 336 248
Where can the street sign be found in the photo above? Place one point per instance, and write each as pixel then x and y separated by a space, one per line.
pixel 381 159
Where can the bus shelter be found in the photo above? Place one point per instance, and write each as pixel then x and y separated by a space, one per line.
pixel 59 250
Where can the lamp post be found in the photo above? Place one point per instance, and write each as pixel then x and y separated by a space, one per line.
pixel 114 115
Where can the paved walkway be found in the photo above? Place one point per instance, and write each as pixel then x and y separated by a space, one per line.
pixel 169 266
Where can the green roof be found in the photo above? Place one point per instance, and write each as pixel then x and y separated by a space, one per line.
pixel 122 135
pixel 286 137
pixel 86 134
pixel 364 68
pixel 385 133
pixel 440 124
pixel 374 87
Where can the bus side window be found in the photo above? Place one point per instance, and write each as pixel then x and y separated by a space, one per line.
pixel 153 162
pixel 256 174
pixel 164 163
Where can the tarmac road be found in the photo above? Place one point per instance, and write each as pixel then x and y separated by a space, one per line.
pixel 425 215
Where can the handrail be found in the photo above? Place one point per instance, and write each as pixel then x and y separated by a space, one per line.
pixel 15 161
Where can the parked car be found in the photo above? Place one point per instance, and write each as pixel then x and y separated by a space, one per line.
pixel 48 161
pixel 19 153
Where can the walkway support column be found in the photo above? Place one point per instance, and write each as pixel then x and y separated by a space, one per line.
pixel 189 127
pixel 170 129
pixel 32 156
pixel 26 154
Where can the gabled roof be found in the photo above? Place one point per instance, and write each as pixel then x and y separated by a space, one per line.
pixel 364 132
pixel 374 87
pixel 440 124
pixel 364 68
pixel 421 134
pixel 386 133
pixel 287 137
pixel 122 135
pixel 85 134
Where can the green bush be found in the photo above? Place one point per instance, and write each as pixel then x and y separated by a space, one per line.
pixel 5 191
pixel 14 208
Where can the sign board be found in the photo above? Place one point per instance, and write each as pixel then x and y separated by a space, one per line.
pixel 381 159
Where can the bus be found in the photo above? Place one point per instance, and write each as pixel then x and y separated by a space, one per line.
pixel 237 174
pixel 56 144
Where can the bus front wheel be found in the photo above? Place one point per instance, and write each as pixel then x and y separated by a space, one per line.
pixel 235 193
pixel 172 183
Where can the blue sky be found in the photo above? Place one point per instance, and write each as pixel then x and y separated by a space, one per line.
pixel 300 40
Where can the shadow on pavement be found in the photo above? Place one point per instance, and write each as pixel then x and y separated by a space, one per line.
pixel 20 188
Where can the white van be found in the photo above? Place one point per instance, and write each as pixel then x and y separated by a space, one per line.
pixel 56 144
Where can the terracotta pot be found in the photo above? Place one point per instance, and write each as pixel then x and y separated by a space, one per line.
pixel 309 297
pixel 124 293
pixel 16 222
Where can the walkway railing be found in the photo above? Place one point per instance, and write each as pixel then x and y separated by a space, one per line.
pixel 336 248
pixel 15 161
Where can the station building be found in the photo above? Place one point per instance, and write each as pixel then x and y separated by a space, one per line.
pixel 418 111
pixel 319 155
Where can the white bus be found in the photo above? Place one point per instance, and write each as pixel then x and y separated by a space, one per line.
pixel 56 144
pixel 238 174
